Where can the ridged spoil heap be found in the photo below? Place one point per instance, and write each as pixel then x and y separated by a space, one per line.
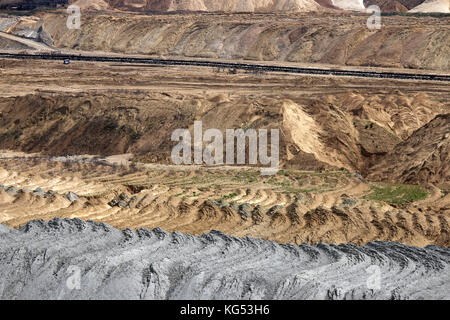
pixel 144 264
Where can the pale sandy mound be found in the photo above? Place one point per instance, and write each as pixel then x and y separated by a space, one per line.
pixel 433 6
pixel 91 4
pixel 190 5
pixel 349 4
pixel 261 5
pixel 5 197
pixel 217 5
pixel 306 134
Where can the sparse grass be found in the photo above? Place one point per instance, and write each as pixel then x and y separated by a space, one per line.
pixel 275 182
pixel 246 176
pixel 230 196
pixel 396 193
pixel 285 173
pixel 227 197
pixel 187 196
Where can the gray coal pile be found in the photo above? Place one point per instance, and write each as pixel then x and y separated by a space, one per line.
pixel 74 259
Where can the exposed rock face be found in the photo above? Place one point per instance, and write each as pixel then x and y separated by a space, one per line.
pixel 411 3
pixel 7 22
pixel 234 5
pixel 42 261
pixel 31 4
pixel 344 133
pixel 394 5
pixel 71 196
pixel 423 157
pixel 45 37
pixel 387 5
pixel 329 40
pixel 215 5
pixel 174 5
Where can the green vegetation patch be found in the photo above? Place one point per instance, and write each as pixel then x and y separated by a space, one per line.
pixel 228 197
pixel 249 176
pixel 397 193
pixel 282 183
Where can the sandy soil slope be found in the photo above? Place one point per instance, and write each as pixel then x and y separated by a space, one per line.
pixel 21 43
pixel 356 5
pixel 91 4
pixel 423 157
pixel 37 261
pixel 394 5
pixel 217 5
pixel 407 42
pixel 323 40
pixel 327 4
pixel 433 6
pixel 89 143
pixel 241 5
pixel 291 207
pixel 186 5
pixel 9 44
pixel 387 5
pixel 113 109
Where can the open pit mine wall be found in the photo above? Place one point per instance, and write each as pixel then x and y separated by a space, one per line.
pixel 32 4
pixel 349 43
pixel 73 259
pixel 171 5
